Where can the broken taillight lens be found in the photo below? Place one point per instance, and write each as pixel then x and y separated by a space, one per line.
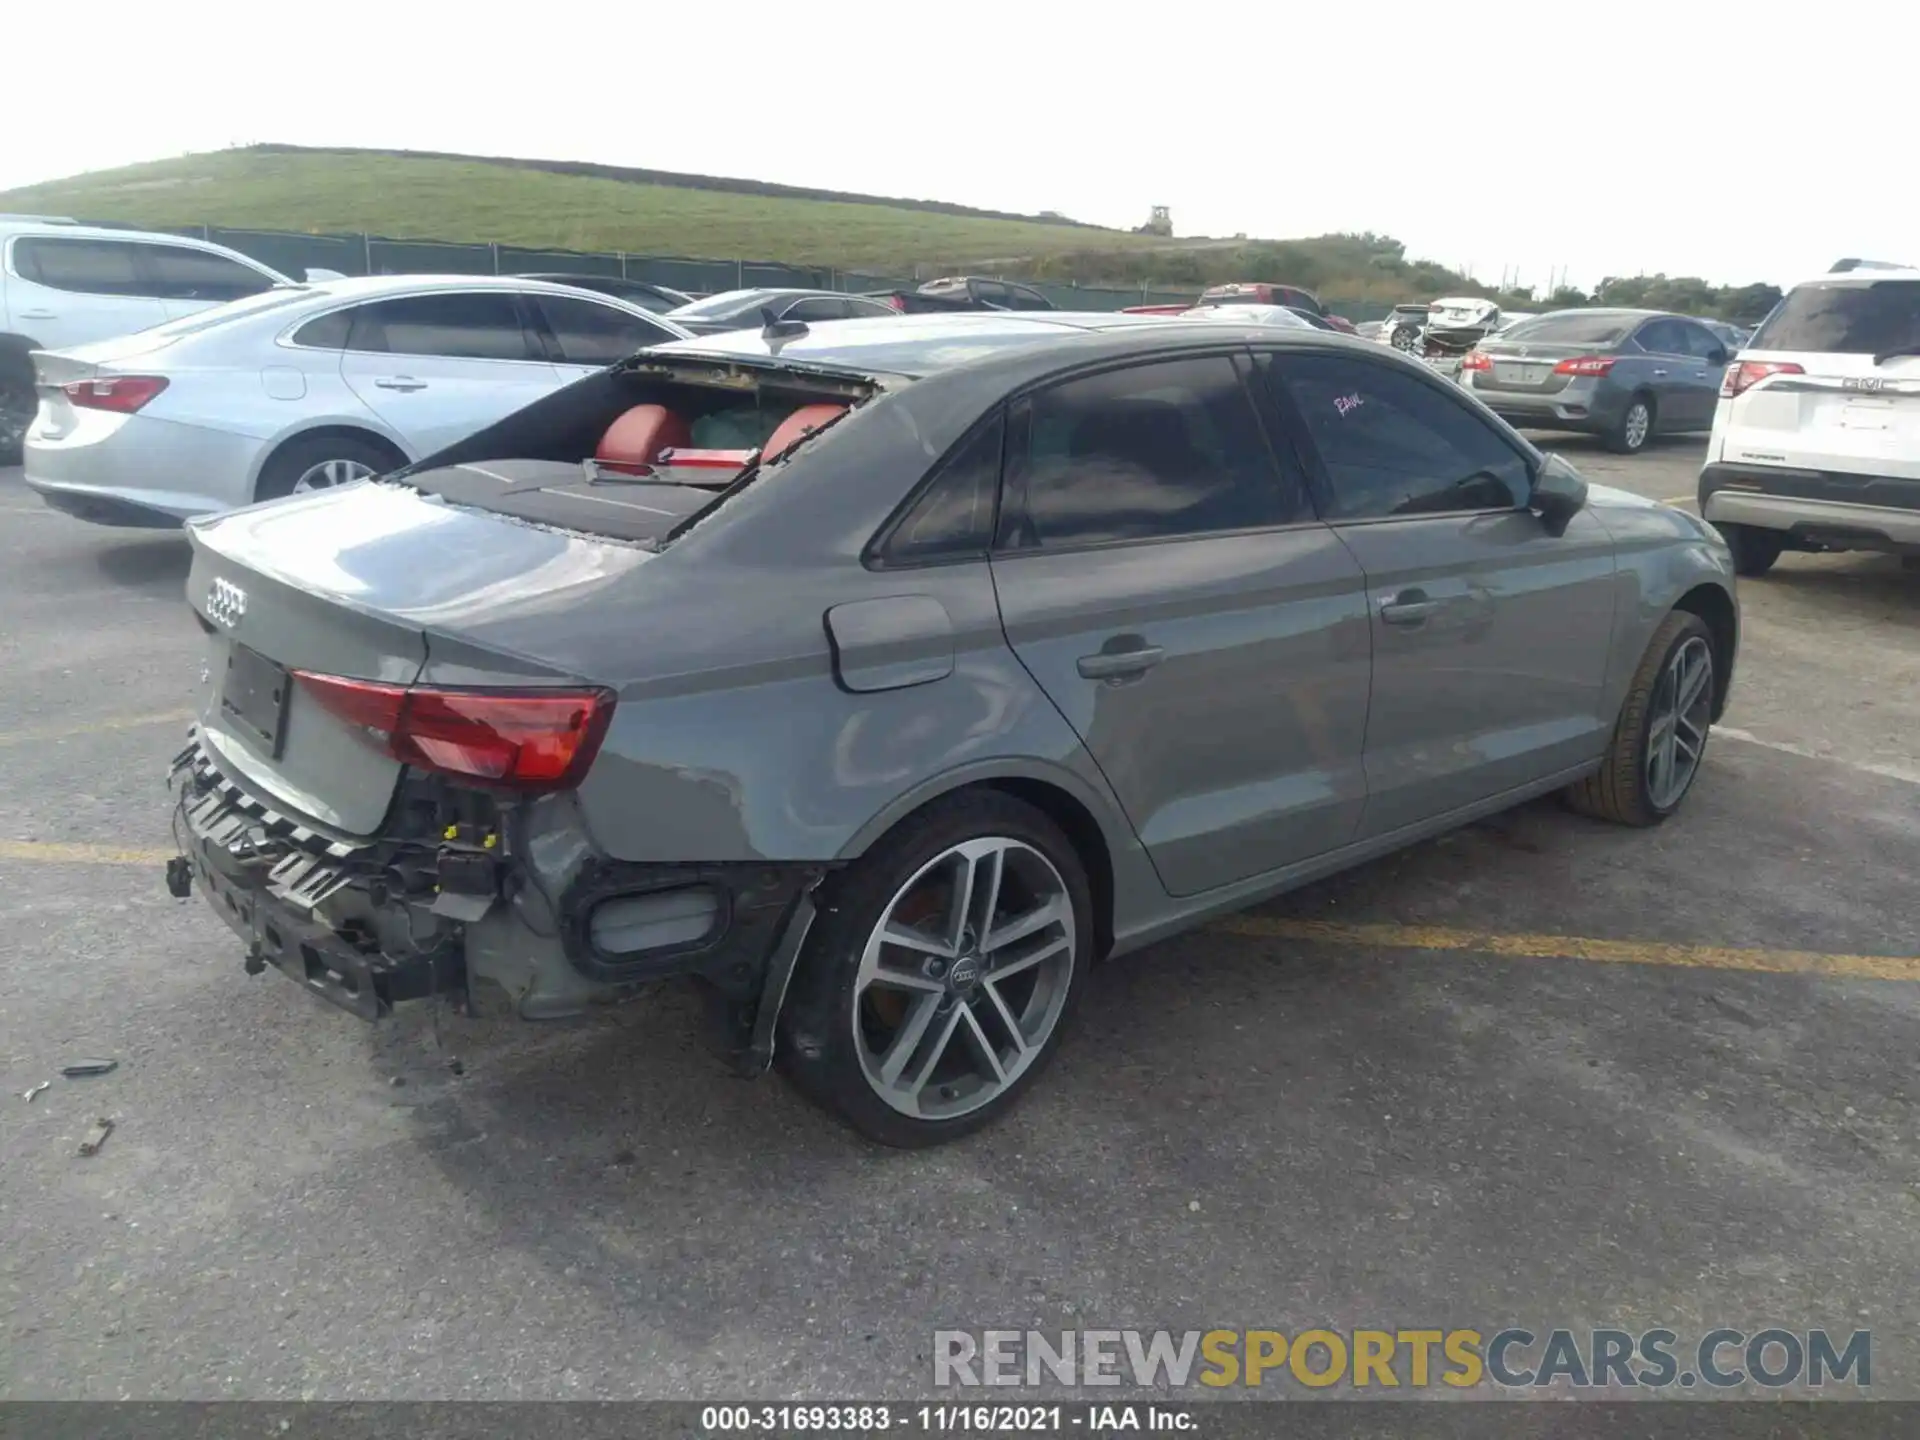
pixel 519 739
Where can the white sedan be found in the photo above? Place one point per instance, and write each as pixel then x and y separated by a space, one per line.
pixel 306 386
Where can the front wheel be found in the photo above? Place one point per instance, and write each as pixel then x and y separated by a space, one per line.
pixel 1754 550
pixel 1661 735
pixel 944 964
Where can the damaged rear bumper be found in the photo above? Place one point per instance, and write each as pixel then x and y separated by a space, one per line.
pixel 456 903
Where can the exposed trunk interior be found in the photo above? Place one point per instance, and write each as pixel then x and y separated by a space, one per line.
pixel 712 423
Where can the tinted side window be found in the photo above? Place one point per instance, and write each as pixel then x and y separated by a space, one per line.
pixel 1025 299
pixel 1393 444
pixel 1662 337
pixel 859 307
pixel 992 292
pixel 1702 342
pixel 818 307
pixel 325 332
pixel 590 334
pixel 1164 449
pixel 180 272
pixel 472 326
pixel 954 514
pixel 88 267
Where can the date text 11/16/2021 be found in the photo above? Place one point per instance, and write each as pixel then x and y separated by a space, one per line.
pixel 945 1419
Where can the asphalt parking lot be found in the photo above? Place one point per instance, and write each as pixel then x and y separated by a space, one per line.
pixel 1542 1072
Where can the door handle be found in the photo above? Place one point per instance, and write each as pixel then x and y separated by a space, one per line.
pixel 400 382
pixel 1660 372
pixel 1409 607
pixel 1115 664
pixel 38 315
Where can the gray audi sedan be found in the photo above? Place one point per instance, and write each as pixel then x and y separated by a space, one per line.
pixel 881 677
pixel 1624 375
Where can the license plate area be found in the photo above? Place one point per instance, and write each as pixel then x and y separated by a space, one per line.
pixel 253 699
pixel 1511 373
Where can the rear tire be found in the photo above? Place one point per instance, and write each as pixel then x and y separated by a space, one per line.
pixel 1634 428
pixel 1754 550
pixel 18 404
pixel 857 999
pixel 1663 715
pixel 320 462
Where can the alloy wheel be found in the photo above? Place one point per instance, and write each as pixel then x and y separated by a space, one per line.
pixel 1680 713
pixel 329 473
pixel 1638 423
pixel 963 980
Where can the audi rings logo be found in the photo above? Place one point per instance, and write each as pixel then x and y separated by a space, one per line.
pixel 226 603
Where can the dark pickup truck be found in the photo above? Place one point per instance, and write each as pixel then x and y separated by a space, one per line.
pixel 964 292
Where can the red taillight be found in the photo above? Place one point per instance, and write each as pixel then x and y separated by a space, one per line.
pixel 1474 360
pixel 1746 374
pixel 122 394
pixel 1584 365
pixel 522 739
pixel 897 302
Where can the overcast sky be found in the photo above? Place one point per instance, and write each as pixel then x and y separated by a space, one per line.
pixel 1611 137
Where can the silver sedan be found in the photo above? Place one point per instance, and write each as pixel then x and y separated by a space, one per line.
pixel 307 386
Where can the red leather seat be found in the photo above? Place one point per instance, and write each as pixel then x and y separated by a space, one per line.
pixel 635 440
pixel 797 426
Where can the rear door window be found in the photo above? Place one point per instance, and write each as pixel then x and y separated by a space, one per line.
pixel 180 272
pixel 1391 444
pixel 86 267
pixel 474 325
pixel 1845 317
pixel 584 333
pixel 1153 451
pixel 1022 298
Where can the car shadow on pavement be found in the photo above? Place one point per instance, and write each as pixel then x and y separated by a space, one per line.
pixel 158 563
pixel 1850 581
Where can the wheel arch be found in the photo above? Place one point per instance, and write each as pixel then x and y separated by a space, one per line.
pixel 312 429
pixel 1715 607
pixel 1087 818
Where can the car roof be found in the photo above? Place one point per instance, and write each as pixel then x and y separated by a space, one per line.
pixel 65 229
pixel 1862 275
pixel 908 347
pixel 356 287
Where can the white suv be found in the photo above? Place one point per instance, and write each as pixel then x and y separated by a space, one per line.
pixel 1816 439
pixel 64 284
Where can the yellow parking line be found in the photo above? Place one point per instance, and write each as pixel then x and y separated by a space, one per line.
pixel 1681 500
pixel 57 852
pixel 1317 932
pixel 1575 947
pixel 95 727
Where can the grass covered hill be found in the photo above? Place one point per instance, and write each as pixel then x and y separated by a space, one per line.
pixel 439 197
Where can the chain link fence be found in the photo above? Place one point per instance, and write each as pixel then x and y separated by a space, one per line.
pixel 292 253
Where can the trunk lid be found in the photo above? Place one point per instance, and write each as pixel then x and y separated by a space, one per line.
pixel 1527 368
pixel 369 582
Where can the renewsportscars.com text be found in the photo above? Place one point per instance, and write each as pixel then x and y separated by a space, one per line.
pixel 1510 1358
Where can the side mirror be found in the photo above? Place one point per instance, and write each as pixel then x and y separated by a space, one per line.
pixel 1719 356
pixel 1559 494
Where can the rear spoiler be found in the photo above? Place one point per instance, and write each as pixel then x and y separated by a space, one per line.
pixel 1840 267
